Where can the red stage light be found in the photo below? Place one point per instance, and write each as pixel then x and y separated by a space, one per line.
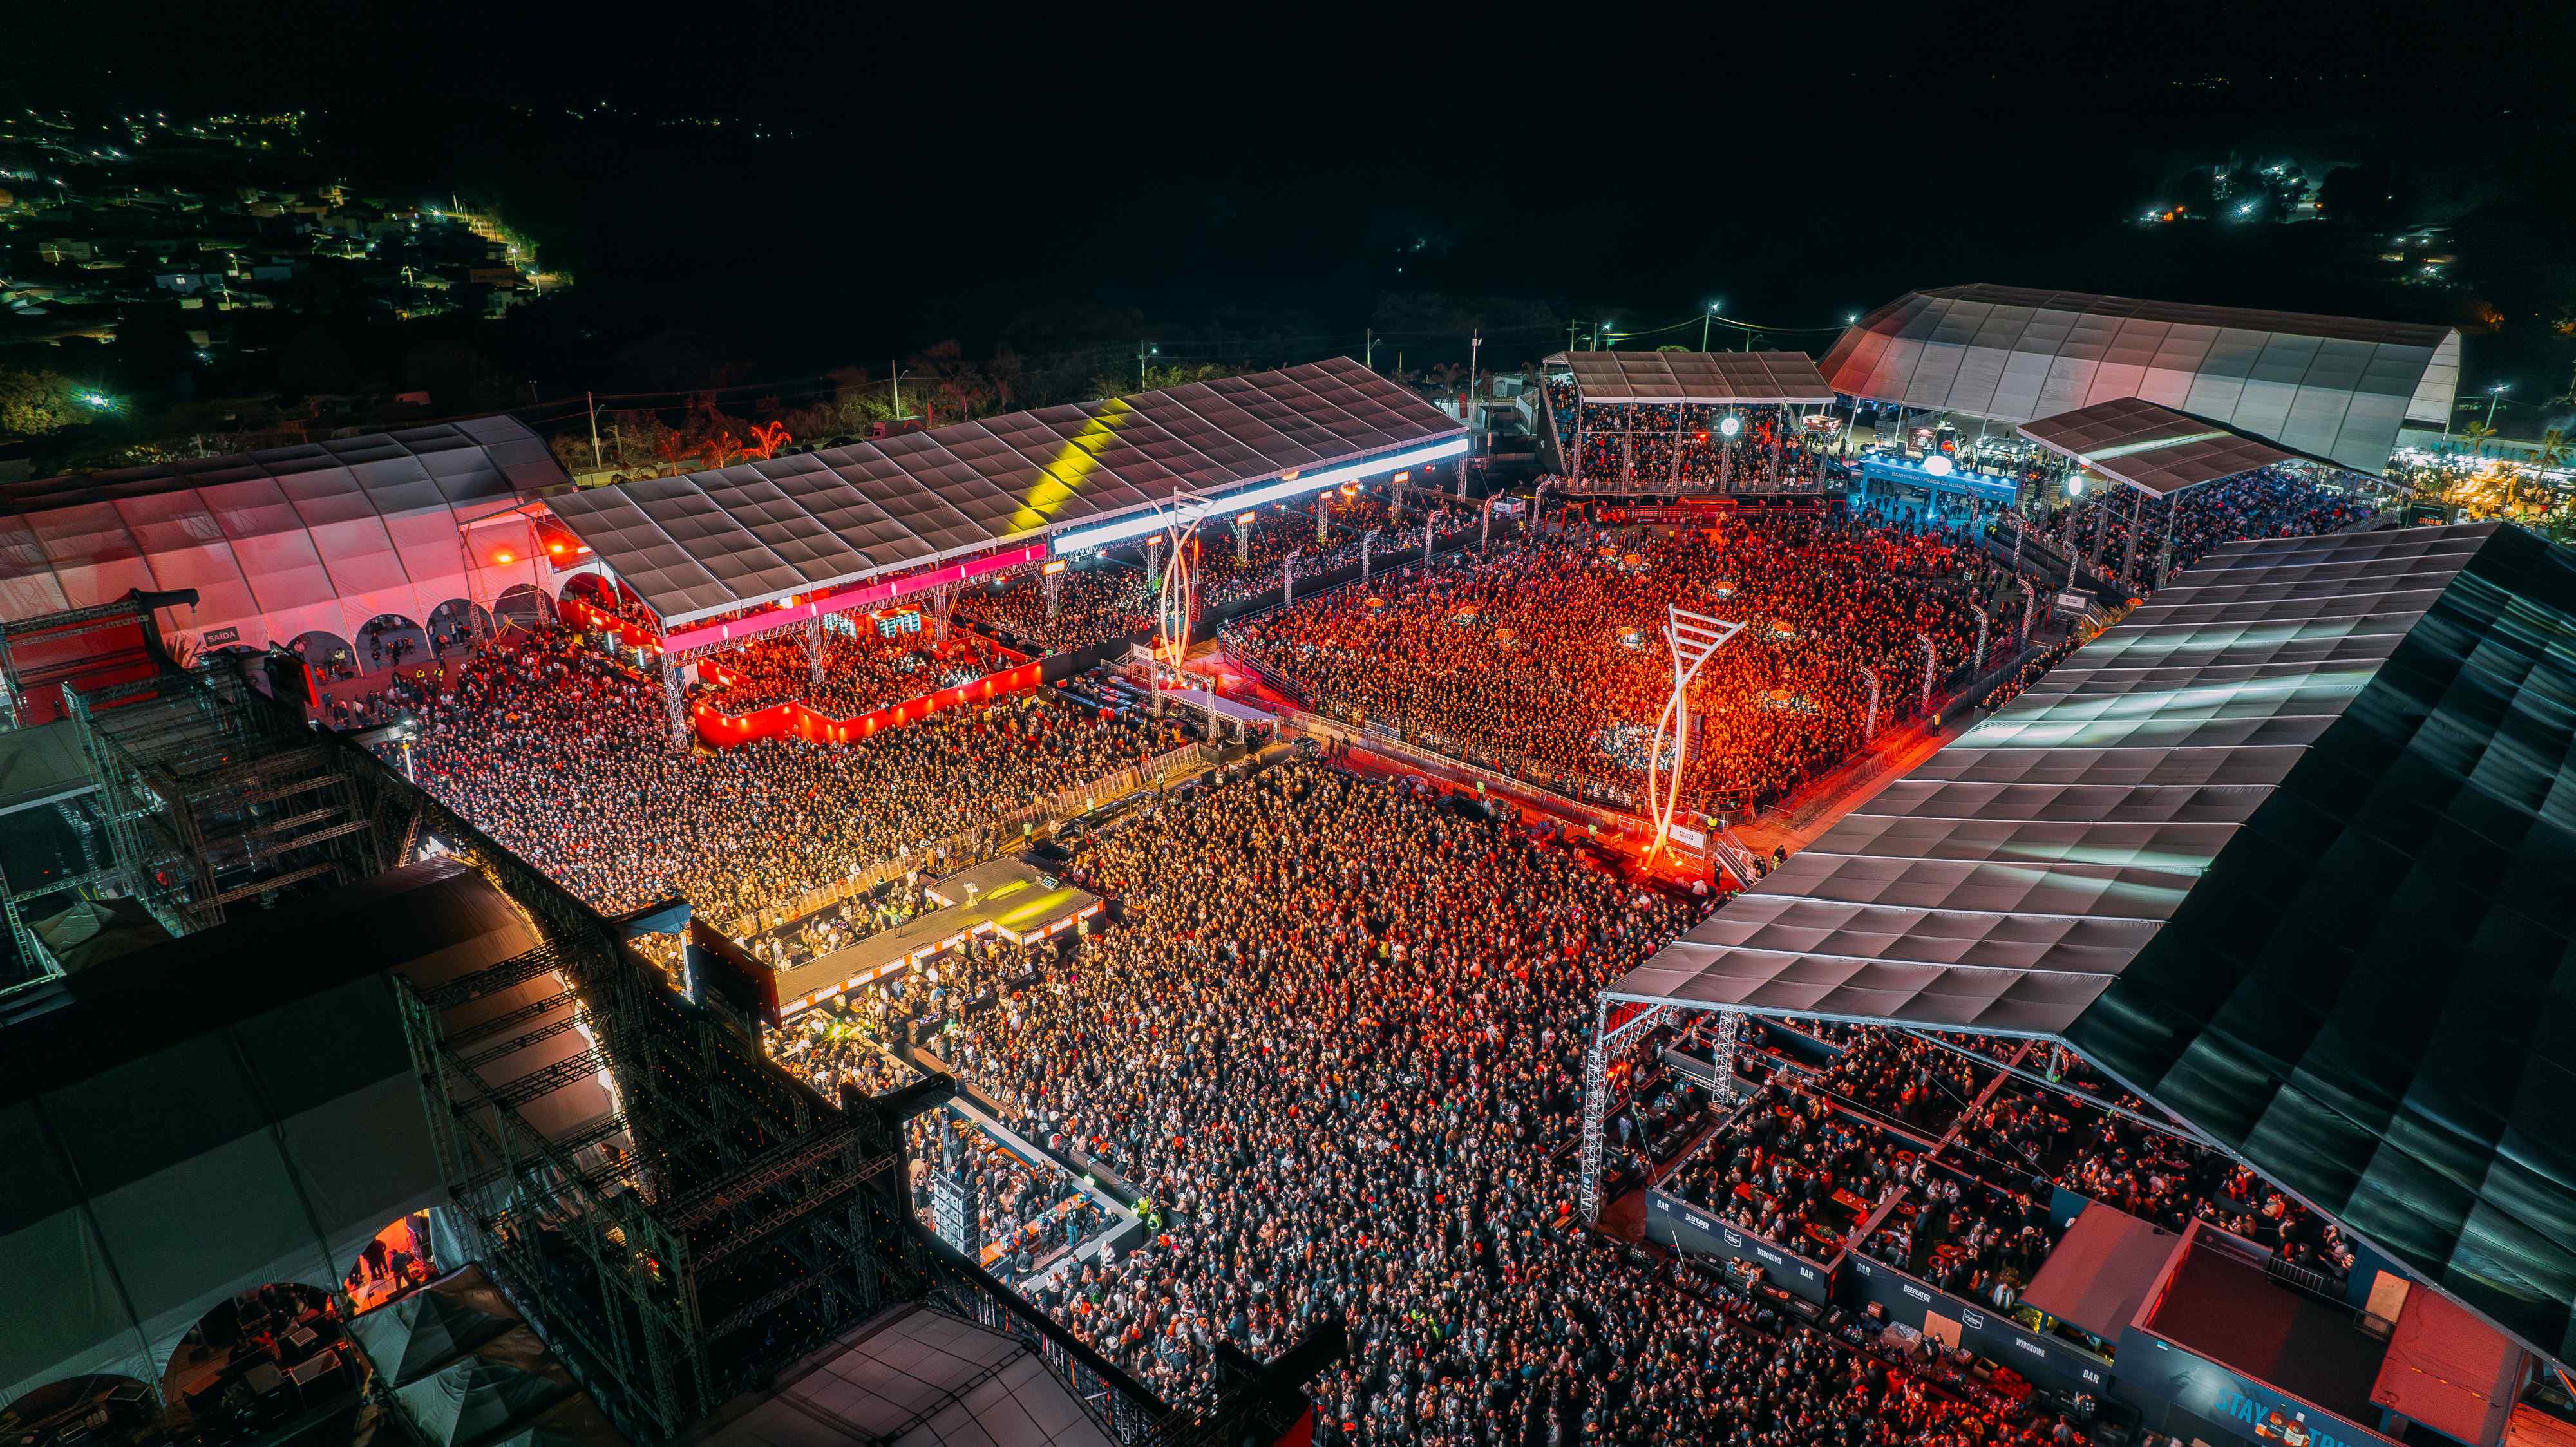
pixel 501 557
pixel 556 548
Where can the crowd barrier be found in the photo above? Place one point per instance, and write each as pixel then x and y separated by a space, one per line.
pixel 967 846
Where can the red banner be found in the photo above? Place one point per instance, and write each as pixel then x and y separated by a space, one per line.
pixel 721 730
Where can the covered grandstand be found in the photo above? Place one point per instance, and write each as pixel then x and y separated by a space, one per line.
pixel 1672 421
pixel 2339 388
pixel 320 538
pixel 2151 454
pixel 924 509
pixel 2281 854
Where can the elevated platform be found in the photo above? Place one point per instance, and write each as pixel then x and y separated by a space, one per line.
pixel 1005 896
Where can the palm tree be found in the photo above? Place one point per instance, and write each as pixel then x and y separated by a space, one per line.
pixel 2476 434
pixel 2553 451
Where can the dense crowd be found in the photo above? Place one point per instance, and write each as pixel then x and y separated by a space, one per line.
pixel 565 759
pixel 1093 605
pixel 841 1047
pixel 1336 1040
pixel 863 671
pixel 1651 443
pixel 1552 656
pixel 2270 503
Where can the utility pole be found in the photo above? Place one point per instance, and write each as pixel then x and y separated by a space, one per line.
pixel 593 399
pixel 1142 352
pixel 898 389
pixel 1368 349
pixel 1703 326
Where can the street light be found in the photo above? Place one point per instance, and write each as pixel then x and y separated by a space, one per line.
pixel 1143 352
pixel 2495 394
pixel 1703 324
pixel 1599 333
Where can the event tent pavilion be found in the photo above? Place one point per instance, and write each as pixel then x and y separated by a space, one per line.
pixel 2153 451
pixel 913 511
pixel 219 1112
pixel 2282 852
pixel 2333 387
pixel 319 537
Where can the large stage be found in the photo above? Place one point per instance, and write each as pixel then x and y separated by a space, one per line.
pixel 1003 897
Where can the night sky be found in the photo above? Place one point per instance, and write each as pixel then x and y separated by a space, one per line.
pixel 990 176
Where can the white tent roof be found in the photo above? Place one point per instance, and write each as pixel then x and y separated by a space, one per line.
pixel 2335 387
pixel 709 543
pixel 2006 881
pixel 321 536
pixel 212 1114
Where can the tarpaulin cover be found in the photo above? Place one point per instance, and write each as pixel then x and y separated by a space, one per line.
pixel 709 543
pixel 2332 387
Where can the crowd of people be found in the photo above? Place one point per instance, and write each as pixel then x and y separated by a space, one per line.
pixel 564 758
pixel 863 670
pixel 2272 502
pixel 1550 655
pixel 1654 443
pixel 1337 1041
pixel 1093 605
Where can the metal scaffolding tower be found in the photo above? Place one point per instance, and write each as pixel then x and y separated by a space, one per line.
pixel 215 796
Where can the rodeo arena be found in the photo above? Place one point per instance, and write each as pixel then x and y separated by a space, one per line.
pixel 1984 891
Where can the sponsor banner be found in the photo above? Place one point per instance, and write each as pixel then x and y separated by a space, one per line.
pixel 216 637
pixel 1687 1228
pixel 2047 1361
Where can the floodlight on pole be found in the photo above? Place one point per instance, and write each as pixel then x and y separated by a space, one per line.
pixel 1693 638
pixel 1703 325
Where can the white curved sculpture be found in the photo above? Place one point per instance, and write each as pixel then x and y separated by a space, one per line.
pixel 1693 637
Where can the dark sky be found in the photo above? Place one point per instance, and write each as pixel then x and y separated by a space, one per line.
pixel 970 171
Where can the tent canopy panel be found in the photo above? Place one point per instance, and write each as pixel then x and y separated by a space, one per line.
pixel 706 544
pixel 1712 378
pixel 2332 387
pixel 2154 449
